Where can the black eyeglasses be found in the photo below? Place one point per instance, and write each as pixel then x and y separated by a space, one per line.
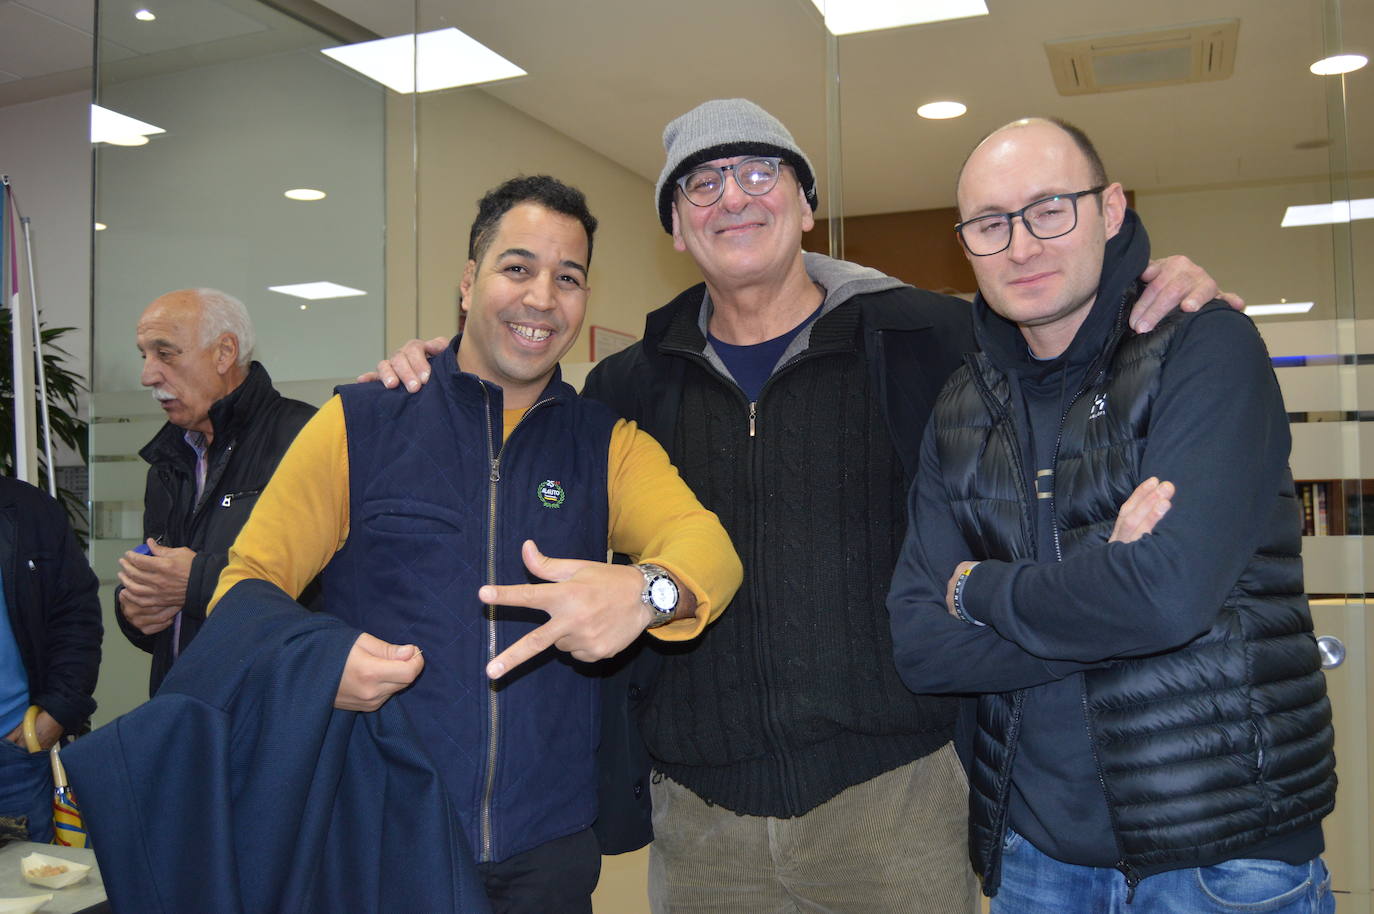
pixel 1045 219
pixel 756 176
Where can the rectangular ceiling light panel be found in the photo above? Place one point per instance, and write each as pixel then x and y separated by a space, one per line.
pixel 1292 307
pixel 848 17
pixel 426 62
pixel 317 290
pixel 1328 213
pixel 111 127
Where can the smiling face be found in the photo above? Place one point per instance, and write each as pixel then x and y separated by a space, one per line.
pixel 739 239
pixel 186 376
pixel 1045 286
pixel 524 301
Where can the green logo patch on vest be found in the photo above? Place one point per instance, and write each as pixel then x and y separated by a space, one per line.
pixel 551 493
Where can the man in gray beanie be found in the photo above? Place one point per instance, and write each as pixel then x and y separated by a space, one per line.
pixel 791 768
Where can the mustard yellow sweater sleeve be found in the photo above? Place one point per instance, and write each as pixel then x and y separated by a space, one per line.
pixel 301 518
pixel 656 518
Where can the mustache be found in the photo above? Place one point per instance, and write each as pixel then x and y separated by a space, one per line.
pixel 159 394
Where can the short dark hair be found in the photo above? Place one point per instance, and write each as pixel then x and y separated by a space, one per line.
pixel 1080 139
pixel 550 193
pixel 1085 146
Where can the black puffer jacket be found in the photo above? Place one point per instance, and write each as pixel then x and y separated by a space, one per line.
pixel 54 610
pixel 254 425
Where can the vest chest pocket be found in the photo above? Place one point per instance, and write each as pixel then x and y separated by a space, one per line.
pixel 423 561
pixel 401 516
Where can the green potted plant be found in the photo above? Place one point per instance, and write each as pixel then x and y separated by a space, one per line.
pixel 64 386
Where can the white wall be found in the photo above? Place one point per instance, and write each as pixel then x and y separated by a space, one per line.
pixel 45 149
pixel 468 143
pixel 202 205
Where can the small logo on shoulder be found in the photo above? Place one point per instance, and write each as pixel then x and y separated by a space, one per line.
pixel 1099 407
pixel 551 493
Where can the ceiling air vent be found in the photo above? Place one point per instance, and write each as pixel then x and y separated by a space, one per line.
pixel 1200 52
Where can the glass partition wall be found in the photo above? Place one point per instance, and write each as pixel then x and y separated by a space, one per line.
pixel 1209 115
pixel 252 108
pixel 238 107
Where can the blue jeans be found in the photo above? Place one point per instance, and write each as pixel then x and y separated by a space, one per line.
pixel 1033 883
pixel 26 788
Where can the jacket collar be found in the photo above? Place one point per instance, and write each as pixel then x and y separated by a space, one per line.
pixel 228 415
pixel 445 370
pixel 681 323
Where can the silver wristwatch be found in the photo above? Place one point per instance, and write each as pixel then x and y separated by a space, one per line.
pixel 660 594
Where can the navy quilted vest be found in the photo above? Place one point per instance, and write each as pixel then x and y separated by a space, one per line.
pixel 439 507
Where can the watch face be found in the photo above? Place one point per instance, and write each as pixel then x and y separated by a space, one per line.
pixel 663 593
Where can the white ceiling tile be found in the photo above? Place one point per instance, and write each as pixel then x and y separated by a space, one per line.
pixel 79 14
pixel 179 24
pixel 32 44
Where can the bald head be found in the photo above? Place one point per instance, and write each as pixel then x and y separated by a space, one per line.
pixel 1079 138
pixel 196 346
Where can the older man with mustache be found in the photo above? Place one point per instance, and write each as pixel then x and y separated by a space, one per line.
pixel 227 428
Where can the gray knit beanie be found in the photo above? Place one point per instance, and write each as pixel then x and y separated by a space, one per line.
pixel 719 129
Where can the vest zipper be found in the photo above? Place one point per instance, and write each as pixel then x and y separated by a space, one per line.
pixel 1003 427
pixel 1003 785
pixel 753 412
pixel 1090 379
pixel 494 455
pixel 999 829
pixel 1132 877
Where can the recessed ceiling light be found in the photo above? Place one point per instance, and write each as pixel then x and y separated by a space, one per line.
pixel 100 226
pixel 144 15
pixel 1340 63
pixel 423 63
pixel 847 17
pixel 305 307
pixel 317 290
pixel 118 129
pixel 304 193
pixel 1332 213
pixel 1283 307
pixel 939 111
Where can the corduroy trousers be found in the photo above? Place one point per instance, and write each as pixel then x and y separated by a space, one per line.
pixel 895 843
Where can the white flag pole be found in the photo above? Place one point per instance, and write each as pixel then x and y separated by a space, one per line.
pixel 39 367
pixel 21 337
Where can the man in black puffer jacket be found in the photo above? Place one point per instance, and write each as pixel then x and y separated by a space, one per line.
pixel 1153 726
pixel 227 428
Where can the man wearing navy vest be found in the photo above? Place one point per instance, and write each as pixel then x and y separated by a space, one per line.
pixel 1105 546
pixel 433 519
